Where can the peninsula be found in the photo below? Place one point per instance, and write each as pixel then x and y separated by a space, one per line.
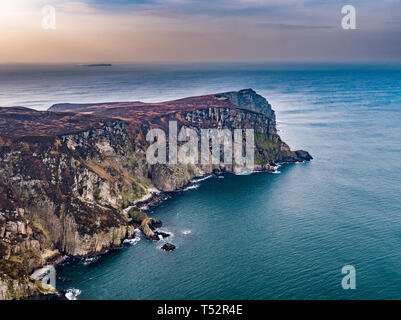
pixel 68 175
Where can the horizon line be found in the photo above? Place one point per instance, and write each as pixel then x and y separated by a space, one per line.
pixel 75 63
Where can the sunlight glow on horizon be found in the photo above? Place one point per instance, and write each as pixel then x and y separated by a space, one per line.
pixel 188 30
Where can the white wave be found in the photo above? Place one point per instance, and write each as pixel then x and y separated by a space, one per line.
pixel 171 235
pixel 136 237
pixel 90 260
pixel 243 173
pixel 201 179
pixel 147 196
pixel 132 241
pixel 72 294
pixel 193 186
pixel 186 232
pixel 220 177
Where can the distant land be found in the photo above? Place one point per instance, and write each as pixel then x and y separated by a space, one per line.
pixel 95 65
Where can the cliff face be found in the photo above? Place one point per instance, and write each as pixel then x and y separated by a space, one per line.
pixel 66 176
pixel 249 99
pixel 62 194
pixel 269 149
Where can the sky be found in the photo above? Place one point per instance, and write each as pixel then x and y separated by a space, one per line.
pixel 91 31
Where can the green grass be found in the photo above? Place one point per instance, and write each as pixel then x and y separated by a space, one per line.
pixel 270 150
pixel 262 141
pixel 137 214
pixel 13 268
pixel 132 193
pixel 38 224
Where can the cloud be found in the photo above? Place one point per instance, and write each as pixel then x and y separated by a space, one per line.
pixel 76 7
pixel 292 26
pixel 127 30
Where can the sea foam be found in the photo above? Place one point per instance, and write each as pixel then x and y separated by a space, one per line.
pixel 72 294
pixel 193 186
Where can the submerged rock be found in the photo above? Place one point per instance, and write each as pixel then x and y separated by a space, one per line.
pixel 168 247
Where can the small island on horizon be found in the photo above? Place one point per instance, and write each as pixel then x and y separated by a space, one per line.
pixel 95 65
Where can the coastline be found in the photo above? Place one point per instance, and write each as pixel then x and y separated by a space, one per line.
pixel 105 184
pixel 152 199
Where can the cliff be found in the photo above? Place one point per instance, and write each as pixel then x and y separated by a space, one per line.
pixel 67 173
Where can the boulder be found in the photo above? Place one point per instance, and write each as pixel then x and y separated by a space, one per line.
pixel 168 247
pixel 303 155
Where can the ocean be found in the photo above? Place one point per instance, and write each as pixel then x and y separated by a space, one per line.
pixel 261 236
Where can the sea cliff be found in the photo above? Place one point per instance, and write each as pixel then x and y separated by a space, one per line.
pixel 66 174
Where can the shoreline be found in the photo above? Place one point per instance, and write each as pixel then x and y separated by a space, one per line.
pixel 149 201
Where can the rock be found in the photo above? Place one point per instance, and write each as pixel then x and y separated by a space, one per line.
pixel 21 211
pixel 249 99
pixel 303 155
pixel 21 227
pixel 153 201
pixel 163 234
pixel 12 227
pixel 151 236
pixel 50 296
pixel 168 247
pixel 2 230
pixel 154 223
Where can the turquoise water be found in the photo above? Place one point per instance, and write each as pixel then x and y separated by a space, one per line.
pixel 263 236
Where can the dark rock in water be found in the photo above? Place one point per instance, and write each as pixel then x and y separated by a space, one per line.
pixel 97 65
pixel 163 234
pixel 155 235
pixel 303 155
pixel 152 236
pixel 168 247
pixel 154 223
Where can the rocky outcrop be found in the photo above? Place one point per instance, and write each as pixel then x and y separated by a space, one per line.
pixel 270 149
pixel 24 286
pixel 66 176
pixel 250 100
pixel 63 194
pixel 168 247
pixel 147 225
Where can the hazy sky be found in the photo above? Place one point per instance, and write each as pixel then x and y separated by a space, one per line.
pixel 199 30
